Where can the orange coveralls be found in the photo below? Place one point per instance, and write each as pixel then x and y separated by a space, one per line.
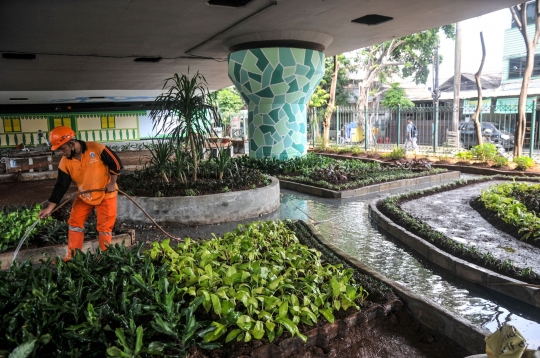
pixel 93 171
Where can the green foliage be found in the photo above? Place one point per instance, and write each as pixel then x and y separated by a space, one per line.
pixel 322 93
pixel 499 161
pixel 229 102
pixel 185 112
pixel 523 162
pixel 217 173
pixel 395 97
pixel 161 149
pixel 16 221
pixel 319 98
pixel 465 155
pixel 396 153
pixel 115 303
pixel 329 173
pixel 502 200
pixel 484 152
pixel 258 281
pixel 391 207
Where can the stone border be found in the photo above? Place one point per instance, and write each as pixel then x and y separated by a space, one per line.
pixel 370 189
pixel 203 209
pixel 427 312
pixel 459 267
pixel 53 251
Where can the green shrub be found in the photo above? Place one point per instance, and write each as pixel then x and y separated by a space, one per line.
pixel 465 155
pixel 396 154
pixel 484 152
pixel 523 162
pixel 258 281
pixel 342 150
pixel 499 161
pixel 500 199
pixel 15 221
pixel 356 150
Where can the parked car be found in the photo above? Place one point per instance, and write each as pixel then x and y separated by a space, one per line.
pixel 496 136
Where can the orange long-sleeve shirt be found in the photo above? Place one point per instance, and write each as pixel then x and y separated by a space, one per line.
pixel 93 171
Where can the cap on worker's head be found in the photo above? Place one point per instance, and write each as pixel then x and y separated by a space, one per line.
pixel 60 136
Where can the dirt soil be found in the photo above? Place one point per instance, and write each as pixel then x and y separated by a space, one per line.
pixel 450 212
pixel 395 336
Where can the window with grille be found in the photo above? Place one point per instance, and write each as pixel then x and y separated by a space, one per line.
pixel 65 121
pixel 12 125
pixel 107 122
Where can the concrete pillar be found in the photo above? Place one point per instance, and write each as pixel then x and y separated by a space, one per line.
pixel 277 84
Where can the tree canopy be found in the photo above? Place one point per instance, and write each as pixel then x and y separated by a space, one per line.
pixel 409 56
pixel 229 102
pixel 395 97
pixel 321 95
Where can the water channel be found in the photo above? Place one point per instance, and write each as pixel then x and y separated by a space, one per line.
pixel 350 229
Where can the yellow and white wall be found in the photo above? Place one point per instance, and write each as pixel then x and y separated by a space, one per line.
pixel 100 127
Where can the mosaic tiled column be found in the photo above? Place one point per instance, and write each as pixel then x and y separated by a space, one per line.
pixel 277 84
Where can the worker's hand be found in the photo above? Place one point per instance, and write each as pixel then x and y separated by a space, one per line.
pixel 110 187
pixel 47 211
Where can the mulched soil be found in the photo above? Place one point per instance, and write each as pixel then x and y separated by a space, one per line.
pixel 394 336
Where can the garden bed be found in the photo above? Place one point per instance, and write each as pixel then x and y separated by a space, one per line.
pixel 516 206
pixel 202 209
pixel 369 189
pixel 465 166
pixel 433 241
pixel 336 175
pixel 252 288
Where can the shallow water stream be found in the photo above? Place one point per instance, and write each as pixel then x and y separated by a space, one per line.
pixel 350 230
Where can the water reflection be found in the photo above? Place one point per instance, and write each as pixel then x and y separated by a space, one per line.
pixel 352 232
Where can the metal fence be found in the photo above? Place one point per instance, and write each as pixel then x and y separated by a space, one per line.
pixel 388 127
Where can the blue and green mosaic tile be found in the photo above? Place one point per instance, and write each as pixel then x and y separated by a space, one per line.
pixel 277 84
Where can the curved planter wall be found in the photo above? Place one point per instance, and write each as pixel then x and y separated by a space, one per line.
pixel 461 268
pixel 203 209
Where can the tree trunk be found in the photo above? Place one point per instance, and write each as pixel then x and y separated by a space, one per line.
pixel 519 13
pixel 477 124
pixel 194 156
pixel 331 105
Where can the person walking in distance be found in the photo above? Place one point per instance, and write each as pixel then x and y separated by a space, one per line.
pixel 412 135
pixel 92 166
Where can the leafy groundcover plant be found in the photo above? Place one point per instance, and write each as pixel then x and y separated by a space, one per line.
pixel 257 282
pixel 15 220
pixel 391 207
pixel 516 204
pixel 334 174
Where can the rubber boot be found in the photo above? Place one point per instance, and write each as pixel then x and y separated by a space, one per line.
pixel 75 241
pixel 104 241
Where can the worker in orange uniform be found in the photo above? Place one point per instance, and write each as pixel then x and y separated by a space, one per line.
pixel 92 166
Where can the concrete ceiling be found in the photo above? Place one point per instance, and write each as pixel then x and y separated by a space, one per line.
pixel 87 48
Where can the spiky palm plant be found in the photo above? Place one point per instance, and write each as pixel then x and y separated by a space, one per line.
pixel 185 111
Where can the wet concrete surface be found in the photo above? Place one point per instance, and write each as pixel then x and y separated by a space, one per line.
pixel 450 213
